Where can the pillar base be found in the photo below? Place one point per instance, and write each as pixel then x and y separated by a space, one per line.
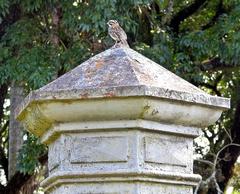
pixel 121 188
pixel 121 182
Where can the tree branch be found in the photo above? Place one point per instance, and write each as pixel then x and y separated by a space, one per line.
pixel 13 16
pixel 166 18
pixel 185 13
pixel 219 11
pixel 205 162
pixel 214 65
pixel 213 165
pixel 234 151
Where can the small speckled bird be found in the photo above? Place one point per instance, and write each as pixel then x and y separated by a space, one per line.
pixel 117 33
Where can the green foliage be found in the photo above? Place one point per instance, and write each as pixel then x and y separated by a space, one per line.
pixel 29 155
pixel 4 8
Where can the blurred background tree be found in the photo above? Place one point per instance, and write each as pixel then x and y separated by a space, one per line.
pixel 42 39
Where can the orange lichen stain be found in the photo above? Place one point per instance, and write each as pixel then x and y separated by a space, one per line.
pixel 99 63
pixel 109 94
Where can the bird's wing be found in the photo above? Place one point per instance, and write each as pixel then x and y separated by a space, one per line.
pixel 123 34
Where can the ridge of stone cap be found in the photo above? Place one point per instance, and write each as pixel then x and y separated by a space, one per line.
pixel 122 91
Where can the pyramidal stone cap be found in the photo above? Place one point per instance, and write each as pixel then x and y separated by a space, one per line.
pixel 117 73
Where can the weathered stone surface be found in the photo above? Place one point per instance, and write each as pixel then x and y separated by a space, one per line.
pixel 121 72
pixel 156 152
pixel 99 149
pixel 123 188
pixel 121 150
pixel 120 123
pixel 112 109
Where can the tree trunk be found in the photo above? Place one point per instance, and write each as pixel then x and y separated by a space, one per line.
pixel 15 129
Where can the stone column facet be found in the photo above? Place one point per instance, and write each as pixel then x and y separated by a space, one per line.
pixel 120 124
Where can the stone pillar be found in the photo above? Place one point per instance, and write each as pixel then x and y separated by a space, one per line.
pixel 120 124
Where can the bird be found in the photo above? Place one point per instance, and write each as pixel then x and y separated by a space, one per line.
pixel 117 33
